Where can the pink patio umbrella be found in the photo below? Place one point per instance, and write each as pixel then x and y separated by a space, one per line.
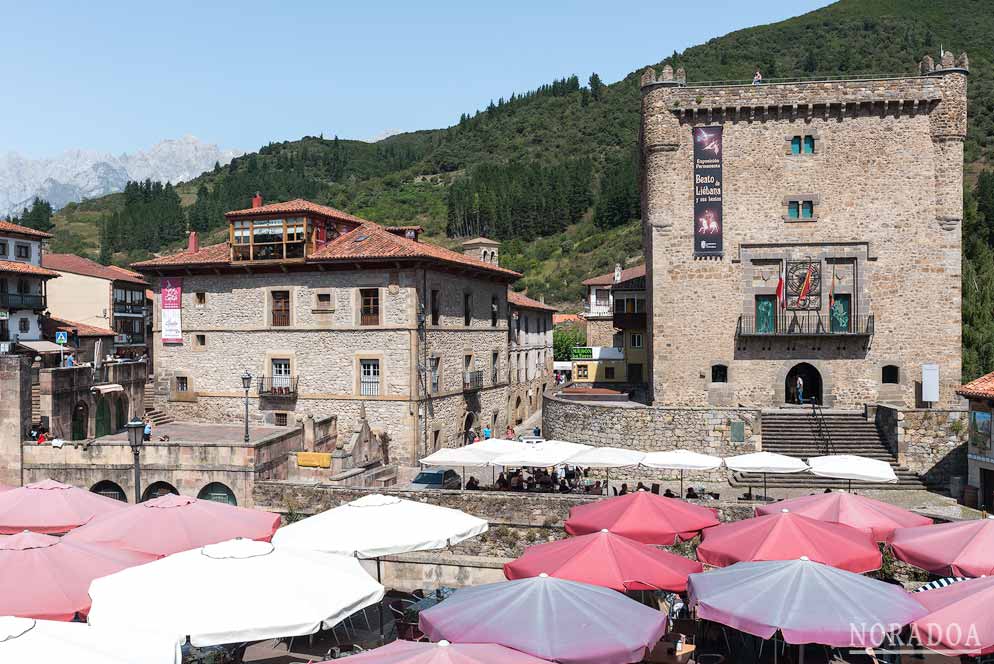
pixel 643 517
pixel 170 524
pixel 555 619
pixel 874 516
pixel 805 601
pixel 48 578
pixel 608 560
pixel 443 652
pixel 51 507
pixel 788 536
pixel 960 620
pixel 960 548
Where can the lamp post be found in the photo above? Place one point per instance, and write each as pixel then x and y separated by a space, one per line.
pixel 136 435
pixel 246 384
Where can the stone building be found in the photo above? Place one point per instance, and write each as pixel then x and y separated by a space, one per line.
pixel 23 287
pixel 980 457
pixel 598 305
pixel 328 312
pixel 530 356
pixel 847 192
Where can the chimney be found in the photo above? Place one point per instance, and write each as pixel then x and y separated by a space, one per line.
pixel 617 273
pixel 257 200
pixel 193 243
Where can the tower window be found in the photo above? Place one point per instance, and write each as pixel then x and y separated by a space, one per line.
pixel 719 373
pixel 890 375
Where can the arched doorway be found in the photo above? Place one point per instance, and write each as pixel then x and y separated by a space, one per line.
pixel 218 493
pixel 102 425
pixel 157 489
pixel 80 421
pixel 110 490
pixel 811 382
pixel 468 425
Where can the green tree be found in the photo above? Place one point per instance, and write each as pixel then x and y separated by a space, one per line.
pixel 38 216
pixel 596 86
pixel 565 337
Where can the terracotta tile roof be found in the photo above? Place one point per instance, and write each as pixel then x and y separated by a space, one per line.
pixel 296 206
pixel 401 229
pixel 214 254
pixel 82 329
pixel 525 302
pixel 84 266
pixel 7 227
pixel 608 279
pixel 559 319
pixel 981 388
pixel 26 268
pixel 480 240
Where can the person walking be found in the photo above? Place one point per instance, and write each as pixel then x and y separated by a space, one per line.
pixel 487 432
pixel 799 387
pixel 147 431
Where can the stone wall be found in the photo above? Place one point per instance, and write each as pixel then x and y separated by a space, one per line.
pixel 930 442
pixel 63 391
pixel 15 414
pixel 888 236
pixel 600 331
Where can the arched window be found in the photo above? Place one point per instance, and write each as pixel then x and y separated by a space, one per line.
pixel 890 374
pixel 158 489
pixel 110 490
pixel 217 492
pixel 719 373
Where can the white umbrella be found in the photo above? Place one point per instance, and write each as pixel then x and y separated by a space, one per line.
pixel 542 455
pixel 682 460
pixel 606 457
pixel 851 467
pixel 236 591
pixel 378 525
pixel 24 640
pixel 765 462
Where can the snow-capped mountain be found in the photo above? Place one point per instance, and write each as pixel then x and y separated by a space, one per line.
pixel 79 174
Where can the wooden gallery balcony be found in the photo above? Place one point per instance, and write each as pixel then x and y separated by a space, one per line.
pixel 624 320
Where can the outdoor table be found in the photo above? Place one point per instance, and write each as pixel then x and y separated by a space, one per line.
pixel 412 611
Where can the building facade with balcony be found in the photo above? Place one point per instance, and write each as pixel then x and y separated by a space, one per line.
pixel 598 305
pixel 332 314
pixel 23 284
pixel 101 296
pixel 804 230
pixel 530 355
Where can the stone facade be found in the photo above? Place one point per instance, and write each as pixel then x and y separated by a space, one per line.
pixel 600 330
pixel 530 358
pixel 884 176
pixel 15 414
pixel 930 442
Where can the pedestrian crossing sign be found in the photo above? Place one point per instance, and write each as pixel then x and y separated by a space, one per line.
pixel 62 338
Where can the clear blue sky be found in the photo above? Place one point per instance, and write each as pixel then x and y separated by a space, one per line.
pixel 118 76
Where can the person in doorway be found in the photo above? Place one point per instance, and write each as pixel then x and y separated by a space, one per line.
pixel 799 388
pixel 757 78
pixel 147 431
pixel 487 432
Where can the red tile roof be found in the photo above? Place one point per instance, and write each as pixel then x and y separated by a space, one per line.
pixel 525 302
pixel 26 268
pixel 7 227
pixel 559 319
pixel 981 388
pixel 84 266
pixel 214 254
pixel 296 206
pixel 608 279
pixel 82 329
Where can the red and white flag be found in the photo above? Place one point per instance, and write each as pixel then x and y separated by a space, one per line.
pixel 781 289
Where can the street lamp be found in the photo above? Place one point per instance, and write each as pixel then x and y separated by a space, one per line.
pixel 246 384
pixel 136 436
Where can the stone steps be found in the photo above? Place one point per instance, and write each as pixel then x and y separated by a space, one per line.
pixel 158 418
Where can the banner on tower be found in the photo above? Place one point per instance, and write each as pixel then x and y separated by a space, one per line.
pixel 171 306
pixel 707 192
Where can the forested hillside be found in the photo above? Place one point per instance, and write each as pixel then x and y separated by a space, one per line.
pixel 552 172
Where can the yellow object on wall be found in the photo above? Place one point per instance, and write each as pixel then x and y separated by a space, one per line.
pixel 314 459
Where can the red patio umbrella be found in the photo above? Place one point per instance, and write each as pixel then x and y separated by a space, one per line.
pixel 48 578
pixel 643 517
pixel 874 516
pixel 789 536
pixel 608 560
pixel 960 548
pixel 170 524
pixel 960 620
pixel 51 507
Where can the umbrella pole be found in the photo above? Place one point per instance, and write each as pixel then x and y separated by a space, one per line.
pixel 379 605
pixel 850 486
pixel 681 482
pixel 607 487
pixel 800 654
pixel 765 492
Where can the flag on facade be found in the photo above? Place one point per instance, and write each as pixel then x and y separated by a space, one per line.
pixel 781 299
pixel 806 286
pixel 831 291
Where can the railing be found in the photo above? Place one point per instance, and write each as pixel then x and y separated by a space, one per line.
pixel 366 319
pixel 803 324
pixel 821 428
pixel 277 386
pixel 598 309
pixel 369 388
pixel 472 381
pixel 129 308
pixel 629 321
pixel 20 301
pixel 128 339
pixel 281 319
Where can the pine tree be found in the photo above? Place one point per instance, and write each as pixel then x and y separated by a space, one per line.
pixel 596 86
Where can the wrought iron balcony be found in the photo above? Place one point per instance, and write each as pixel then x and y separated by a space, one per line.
pixel 804 324
pixel 472 381
pixel 129 339
pixel 629 321
pixel 14 301
pixel 278 386
pixel 128 309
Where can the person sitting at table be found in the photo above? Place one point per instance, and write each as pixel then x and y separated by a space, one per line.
pixel 624 489
pixel 517 483
pixel 472 484
pixel 502 484
pixel 691 494
pixel 641 487
pixel 669 494
pixel 564 486
pixel 595 489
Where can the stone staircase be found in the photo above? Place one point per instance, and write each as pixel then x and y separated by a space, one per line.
pixel 798 433
pixel 157 417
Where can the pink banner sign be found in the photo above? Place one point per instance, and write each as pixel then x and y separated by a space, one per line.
pixel 171 297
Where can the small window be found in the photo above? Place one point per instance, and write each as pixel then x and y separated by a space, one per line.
pixel 23 252
pixel 23 287
pixel 201 299
pixel 609 373
pixel 200 340
pixel 24 325
pixel 807 209
pixel 3 249
pixel 809 145
pixel 182 384
pixel 581 371
pixel 436 439
pixel 324 299
pixel 618 340
pixel 794 209
pixel 494 310
pixel 636 340
pixel 370 303
pixel 795 145
pixel 494 366
pixel 369 378
pixel 280 419
pixel 602 297
pixel 467 362
pixel 467 308
pixel 890 375
pixel 719 373
pixel 434 307
pixel 435 363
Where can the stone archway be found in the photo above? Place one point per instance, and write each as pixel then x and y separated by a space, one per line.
pixel 517 411
pixel 157 489
pixel 110 490
pixel 811 384
pixel 219 493
pixel 80 421
pixel 469 423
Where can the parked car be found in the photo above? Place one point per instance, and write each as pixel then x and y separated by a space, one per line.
pixel 437 479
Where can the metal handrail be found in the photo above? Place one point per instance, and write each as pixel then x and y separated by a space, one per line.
pixel 277 386
pixel 804 324
pixel 821 430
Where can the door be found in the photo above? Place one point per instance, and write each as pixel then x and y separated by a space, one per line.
pixel 986 489
pixel 121 415
pixel 840 314
pixel 103 427
pixel 80 417
pixel 281 376
pixel 766 314
pixel 634 373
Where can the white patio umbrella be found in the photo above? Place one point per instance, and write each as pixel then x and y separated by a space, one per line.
pixel 765 462
pixel 606 458
pixel 682 460
pixel 25 640
pixel 541 455
pixel 233 592
pixel 851 467
pixel 480 453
